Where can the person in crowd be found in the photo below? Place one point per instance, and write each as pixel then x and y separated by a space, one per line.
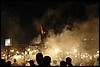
pixel 32 63
pixel 68 61
pixel 3 63
pixel 39 58
pixel 62 63
pixel 15 63
pixel 46 61
pixel 8 64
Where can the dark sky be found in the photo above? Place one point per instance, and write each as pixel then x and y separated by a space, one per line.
pixel 18 17
pixel 26 11
pixel 28 8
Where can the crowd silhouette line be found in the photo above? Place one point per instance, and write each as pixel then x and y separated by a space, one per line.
pixel 44 62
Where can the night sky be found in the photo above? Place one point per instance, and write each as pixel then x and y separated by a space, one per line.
pixel 21 19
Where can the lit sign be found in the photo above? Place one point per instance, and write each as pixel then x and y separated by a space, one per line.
pixel 7 42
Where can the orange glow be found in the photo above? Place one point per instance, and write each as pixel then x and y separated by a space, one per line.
pixel 41 29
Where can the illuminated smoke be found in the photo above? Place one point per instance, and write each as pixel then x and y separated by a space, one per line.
pixel 84 38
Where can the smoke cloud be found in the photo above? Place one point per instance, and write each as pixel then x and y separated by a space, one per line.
pixel 82 17
pixel 85 34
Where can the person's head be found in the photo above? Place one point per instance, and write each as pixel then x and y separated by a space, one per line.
pixel 14 60
pixel 62 63
pixel 31 62
pixel 39 58
pixel 68 60
pixel 47 60
pixel 9 63
pixel 2 61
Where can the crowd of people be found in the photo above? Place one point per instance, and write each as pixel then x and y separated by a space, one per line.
pixel 44 61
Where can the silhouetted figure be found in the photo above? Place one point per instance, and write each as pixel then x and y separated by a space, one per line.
pixel 8 64
pixel 46 61
pixel 15 63
pixel 62 63
pixel 3 63
pixel 68 61
pixel 32 63
pixel 39 58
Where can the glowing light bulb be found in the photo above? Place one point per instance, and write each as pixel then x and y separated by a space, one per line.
pixel 45 47
pixel 90 57
pixel 4 54
pixel 97 51
pixel 25 52
pixel 28 49
pixel 22 53
pixel 17 52
pixel 75 56
pixel 86 56
pixel 34 50
pixel 11 50
pixel 78 54
pixel 85 39
pixel 61 51
pixel 83 55
pixel 75 50
pixel 67 52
